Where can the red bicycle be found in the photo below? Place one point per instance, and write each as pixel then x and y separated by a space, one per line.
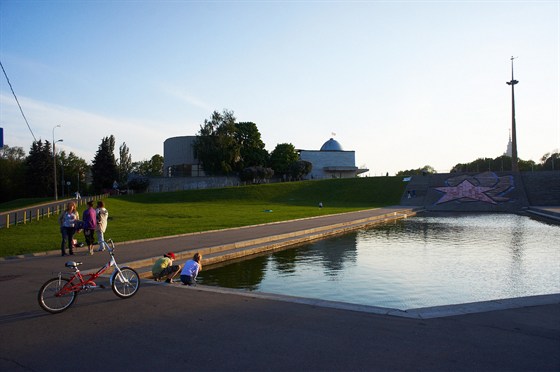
pixel 58 294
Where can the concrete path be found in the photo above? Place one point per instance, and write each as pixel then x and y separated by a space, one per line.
pixel 172 327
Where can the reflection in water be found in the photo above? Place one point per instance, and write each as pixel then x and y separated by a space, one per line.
pixel 237 275
pixel 417 262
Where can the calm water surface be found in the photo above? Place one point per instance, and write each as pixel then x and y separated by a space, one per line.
pixel 412 263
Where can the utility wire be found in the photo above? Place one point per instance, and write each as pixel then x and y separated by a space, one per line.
pixel 20 109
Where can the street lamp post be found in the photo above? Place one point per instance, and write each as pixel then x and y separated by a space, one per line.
pixel 514 166
pixel 54 161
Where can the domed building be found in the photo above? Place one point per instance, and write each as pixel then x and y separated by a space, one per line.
pixel 331 161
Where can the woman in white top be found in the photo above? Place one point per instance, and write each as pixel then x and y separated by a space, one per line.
pixel 67 221
pixel 102 216
pixel 191 270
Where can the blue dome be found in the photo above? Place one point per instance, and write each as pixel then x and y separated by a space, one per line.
pixel 331 145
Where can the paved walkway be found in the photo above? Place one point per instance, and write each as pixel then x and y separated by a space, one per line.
pixel 174 327
pixel 221 245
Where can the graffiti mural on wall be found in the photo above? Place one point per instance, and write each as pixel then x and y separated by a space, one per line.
pixel 485 187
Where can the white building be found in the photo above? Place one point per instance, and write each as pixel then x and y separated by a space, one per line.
pixel 331 161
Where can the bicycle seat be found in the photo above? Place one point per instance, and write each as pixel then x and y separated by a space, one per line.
pixel 72 264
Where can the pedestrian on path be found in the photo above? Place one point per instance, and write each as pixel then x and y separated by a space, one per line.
pixel 191 270
pixel 67 221
pixel 89 217
pixel 102 217
pixel 164 267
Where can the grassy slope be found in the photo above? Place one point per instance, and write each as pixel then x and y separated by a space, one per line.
pixel 22 203
pixel 161 214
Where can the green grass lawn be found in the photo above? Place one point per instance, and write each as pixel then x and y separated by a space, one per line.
pixel 162 214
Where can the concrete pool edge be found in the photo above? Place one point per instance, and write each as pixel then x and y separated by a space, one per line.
pixel 419 313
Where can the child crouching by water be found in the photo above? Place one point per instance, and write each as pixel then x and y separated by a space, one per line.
pixel 191 269
pixel 164 267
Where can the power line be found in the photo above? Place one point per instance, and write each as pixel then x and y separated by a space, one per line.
pixel 20 109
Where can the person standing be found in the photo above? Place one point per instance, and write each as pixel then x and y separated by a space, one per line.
pixel 102 216
pixel 191 270
pixel 90 224
pixel 67 221
pixel 164 267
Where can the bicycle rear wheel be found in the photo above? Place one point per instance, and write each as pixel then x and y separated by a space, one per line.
pixel 126 283
pixel 52 300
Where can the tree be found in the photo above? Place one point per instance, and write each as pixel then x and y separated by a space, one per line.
pixel 300 169
pixel 104 166
pixel 73 170
pixel 256 174
pixel 12 169
pixel 282 158
pixel 550 161
pixel 12 153
pixel 139 183
pixel 426 169
pixel 149 168
pixel 252 151
pixel 39 170
pixel 124 165
pixel 216 145
pixel 499 164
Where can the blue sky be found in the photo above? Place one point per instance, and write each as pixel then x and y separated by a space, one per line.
pixel 403 83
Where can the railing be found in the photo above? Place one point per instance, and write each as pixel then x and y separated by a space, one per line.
pixel 38 212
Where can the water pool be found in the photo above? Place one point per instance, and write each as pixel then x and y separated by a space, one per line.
pixel 412 263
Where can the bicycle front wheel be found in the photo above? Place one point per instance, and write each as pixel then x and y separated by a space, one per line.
pixel 53 298
pixel 125 283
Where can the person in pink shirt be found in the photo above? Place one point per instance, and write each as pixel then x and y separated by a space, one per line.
pixel 90 224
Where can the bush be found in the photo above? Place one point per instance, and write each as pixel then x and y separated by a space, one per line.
pixel 256 174
pixel 139 184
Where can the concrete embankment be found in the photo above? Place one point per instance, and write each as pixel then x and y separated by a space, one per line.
pixel 226 245
pixel 551 214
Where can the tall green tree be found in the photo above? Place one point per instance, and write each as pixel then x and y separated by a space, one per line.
pixel 124 165
pixel 216 145
pixel 104 166
pixel 149 168
pixel 73 171
pixel 282 158
pixel 12 171
pixel 252 151
pixel 39 170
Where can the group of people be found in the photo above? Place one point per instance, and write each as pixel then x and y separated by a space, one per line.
pixel 92 221
pixel 95 221
pixel 164 268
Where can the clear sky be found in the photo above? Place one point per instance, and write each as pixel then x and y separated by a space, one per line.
pixel 403 83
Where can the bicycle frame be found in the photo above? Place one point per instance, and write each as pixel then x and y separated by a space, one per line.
pixel 59 293
pixel 87 282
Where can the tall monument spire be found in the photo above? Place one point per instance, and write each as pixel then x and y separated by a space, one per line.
pixel 514 166
pixel 508 148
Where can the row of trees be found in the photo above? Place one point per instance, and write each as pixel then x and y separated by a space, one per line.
pixel 32 175
pixel 225 147
pixel 549 161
